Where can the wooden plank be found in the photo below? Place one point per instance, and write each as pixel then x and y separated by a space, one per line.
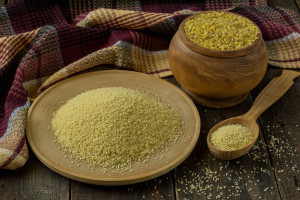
pixel 159 188
pixel 33 181
pixel 202 176
pixel 281 127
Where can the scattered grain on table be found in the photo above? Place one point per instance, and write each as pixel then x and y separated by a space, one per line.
pixel 235 178
pixel 116 127
pixel 280 145
pixel 229 180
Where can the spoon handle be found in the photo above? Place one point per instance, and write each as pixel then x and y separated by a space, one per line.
pixel 271 93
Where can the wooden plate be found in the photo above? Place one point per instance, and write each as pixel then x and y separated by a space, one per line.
pixel 41 139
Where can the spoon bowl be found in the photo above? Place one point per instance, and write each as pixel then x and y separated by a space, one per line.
pixel 270 94
pixel 230 155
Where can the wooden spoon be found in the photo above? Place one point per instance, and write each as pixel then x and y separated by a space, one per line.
pixel 270 94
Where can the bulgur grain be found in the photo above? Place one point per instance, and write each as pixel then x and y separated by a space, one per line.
pixel 221 31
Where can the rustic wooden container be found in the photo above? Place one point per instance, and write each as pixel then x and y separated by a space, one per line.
pixel 216 78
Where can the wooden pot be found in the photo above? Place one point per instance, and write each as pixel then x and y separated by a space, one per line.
pixel 216 78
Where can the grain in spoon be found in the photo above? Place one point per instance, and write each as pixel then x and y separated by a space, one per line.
pixel 270 94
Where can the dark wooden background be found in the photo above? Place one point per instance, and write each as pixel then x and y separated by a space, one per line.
pixel 269 171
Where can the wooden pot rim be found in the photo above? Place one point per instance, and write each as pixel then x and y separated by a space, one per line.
pixel 217 53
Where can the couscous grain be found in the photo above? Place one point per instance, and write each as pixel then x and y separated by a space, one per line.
pixel 231 137
pixel 115 126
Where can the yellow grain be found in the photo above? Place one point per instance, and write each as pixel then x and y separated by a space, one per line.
pixel 115 127
pixel 231 137
pixel 221 31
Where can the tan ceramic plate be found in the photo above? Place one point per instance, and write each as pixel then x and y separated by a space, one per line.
pixel 41 139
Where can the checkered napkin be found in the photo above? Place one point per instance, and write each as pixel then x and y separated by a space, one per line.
pixel 43 42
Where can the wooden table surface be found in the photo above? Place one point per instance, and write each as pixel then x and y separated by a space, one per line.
pixel 271 170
